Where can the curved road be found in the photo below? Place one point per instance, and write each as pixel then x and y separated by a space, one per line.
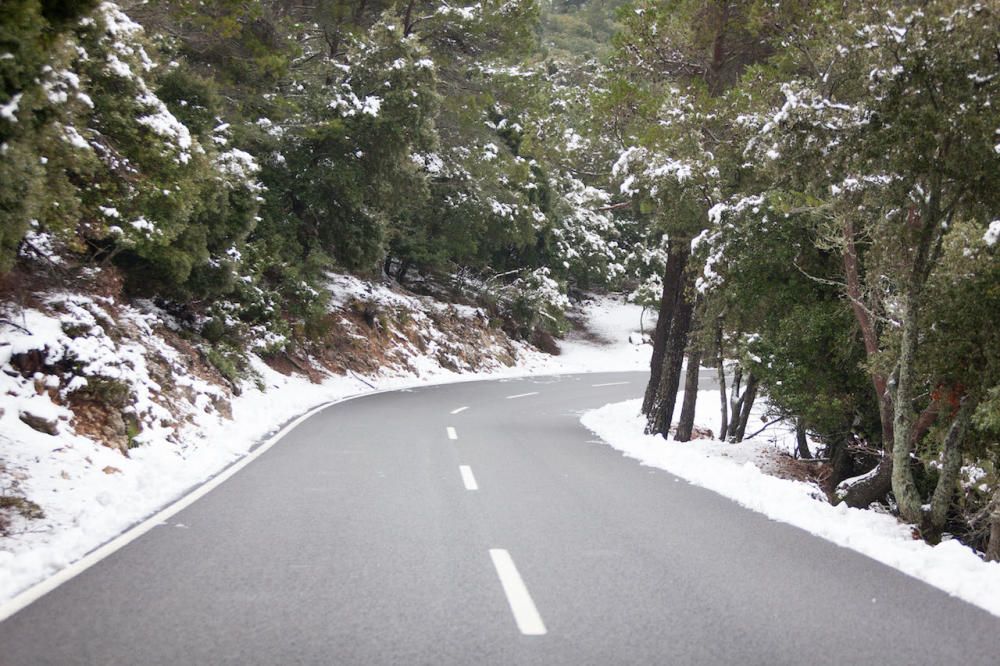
pixel 400 528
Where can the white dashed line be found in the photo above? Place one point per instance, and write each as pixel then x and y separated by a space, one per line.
pixel 525 614
pixel 451 433
pixel 611 384
pixel 459 410
pixel 521 395
pixel 467 478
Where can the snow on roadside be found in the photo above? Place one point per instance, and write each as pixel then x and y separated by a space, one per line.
pixel 734 471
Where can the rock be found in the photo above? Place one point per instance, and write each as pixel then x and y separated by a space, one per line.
pixel 100 422
pixel 115 433
pixel 111 470
pixel 40 423
pixel 29 362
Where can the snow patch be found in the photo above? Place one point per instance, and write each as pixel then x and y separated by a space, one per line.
pixel 992 234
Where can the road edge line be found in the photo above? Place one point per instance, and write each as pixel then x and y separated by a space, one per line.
pixel 32 594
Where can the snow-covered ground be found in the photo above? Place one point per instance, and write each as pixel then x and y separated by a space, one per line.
pixel 613 341
pixel 90 493
pixel 738 471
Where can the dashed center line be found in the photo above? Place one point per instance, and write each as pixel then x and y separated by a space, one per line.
pixel 467 478
pixel 521 395
pixel 451 433
pixel 525 614
pixel 459 410
pixel 611 384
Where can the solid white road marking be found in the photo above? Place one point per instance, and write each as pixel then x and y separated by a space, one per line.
pixel 467 478
pixel 611 384
pixel 451 433
pixel 525 614
pixel 459 410
pixel 521 395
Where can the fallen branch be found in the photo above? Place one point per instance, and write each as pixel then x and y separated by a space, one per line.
pixel 624 204
pixel 766 426
pixel 17 326
pixel 353 374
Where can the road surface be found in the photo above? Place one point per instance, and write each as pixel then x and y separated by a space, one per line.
pixel 479 523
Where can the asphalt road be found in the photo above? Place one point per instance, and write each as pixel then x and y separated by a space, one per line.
pixel 356 540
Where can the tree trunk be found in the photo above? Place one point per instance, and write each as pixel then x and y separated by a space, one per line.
pixel 802 444
pixel 841 464
pixel 927 231
pixel 404 268
pixel 720 368
pixel 993 547
pixel 868 333
pixel 677 256
pixel 871 487
pixel 685 425
pixel 408 19
pixel 876 484
pixel 903 485
pixel 662 412
pixel 904 417
pixel 749 395
pixel 874 487
pixel 944 492
pixel 713 75
pixel 735 404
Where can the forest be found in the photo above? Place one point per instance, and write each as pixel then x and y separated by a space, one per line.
pixel 807 192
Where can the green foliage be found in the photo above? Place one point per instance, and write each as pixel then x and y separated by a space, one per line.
pixel 349 162
pixel 106 391
pixel 38 103
pixel 244 45
pixel 225 155
pixel 579 29
pixel 795 334
pixel 103 164
pixel 226 361
pixel 535 302
pixel 193 99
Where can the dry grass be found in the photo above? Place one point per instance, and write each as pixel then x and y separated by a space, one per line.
pixel 808 471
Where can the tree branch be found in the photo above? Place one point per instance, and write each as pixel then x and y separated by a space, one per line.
pixel 623 204
pixel 766 426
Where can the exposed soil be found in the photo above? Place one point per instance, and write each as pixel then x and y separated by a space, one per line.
pixel 796 469
pixel 14 507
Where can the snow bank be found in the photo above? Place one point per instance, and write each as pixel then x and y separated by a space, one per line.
pixel 734 471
